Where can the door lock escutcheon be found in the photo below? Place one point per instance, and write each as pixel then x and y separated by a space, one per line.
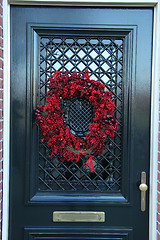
pixel 143 188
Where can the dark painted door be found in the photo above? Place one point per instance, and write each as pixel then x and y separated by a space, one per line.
pixel 115 45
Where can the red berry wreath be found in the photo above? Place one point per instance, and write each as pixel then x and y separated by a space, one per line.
pixel 57 135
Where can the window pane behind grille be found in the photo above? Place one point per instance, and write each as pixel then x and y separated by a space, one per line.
pixel 103 57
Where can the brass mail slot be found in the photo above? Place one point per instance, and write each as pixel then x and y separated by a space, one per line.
pixel 78 216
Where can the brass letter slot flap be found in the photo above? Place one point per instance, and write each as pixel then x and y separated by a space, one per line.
pixel 76 216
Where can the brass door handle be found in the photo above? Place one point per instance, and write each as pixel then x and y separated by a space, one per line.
pixel 143 188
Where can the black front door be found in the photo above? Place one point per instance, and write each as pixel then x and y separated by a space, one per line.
pixel 115 46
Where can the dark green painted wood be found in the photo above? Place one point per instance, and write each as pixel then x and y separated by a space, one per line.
pixel 33 211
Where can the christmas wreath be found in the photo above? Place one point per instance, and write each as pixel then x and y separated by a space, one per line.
pixel 57 135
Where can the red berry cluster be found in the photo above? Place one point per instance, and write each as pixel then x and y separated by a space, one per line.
pixel 49 116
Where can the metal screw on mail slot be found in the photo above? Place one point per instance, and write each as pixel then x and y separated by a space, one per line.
pixel 78 216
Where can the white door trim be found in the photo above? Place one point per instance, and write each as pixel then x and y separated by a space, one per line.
pixel 114 3
pixel 154 101
pixel 154 124
pixel 6 119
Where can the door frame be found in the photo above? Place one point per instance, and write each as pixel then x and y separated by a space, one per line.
pixel 154 96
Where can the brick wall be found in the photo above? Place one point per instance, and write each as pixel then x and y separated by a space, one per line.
pixel 158 180
pixel 1 110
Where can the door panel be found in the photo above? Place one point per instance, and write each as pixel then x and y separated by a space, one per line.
pixel 103 53
pixel 110 43
pixel 72 233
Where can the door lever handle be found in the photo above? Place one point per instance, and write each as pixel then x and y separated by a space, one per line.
pixel 143 188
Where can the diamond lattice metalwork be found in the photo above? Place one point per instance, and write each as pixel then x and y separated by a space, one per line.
pixel 103 57
pixel 80 115
pixel 77 115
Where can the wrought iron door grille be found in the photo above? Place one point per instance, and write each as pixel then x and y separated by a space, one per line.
pixel 77 115
pixel 103 57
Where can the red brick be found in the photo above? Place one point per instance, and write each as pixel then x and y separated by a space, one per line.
pixel 159 146
pixel 1 83
pixel 1 102
pixel 1 32
pixel 1 64
pixel 158 166
pixel 1 94
pixel 1 10
pixel 158 217
pixel 158 236
pixel 158 197
pixel 1 73
pixel 1 166
pixel 0 180
pixel 159 135
pixel 1 114
pixel 1 145
pixel 1 148
pixel 1 155
pixel 158 207
pixel 1 51
pixel 1 45
pixel 1 135
pixel 1 21
pixel 1 125
pixel 1 105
